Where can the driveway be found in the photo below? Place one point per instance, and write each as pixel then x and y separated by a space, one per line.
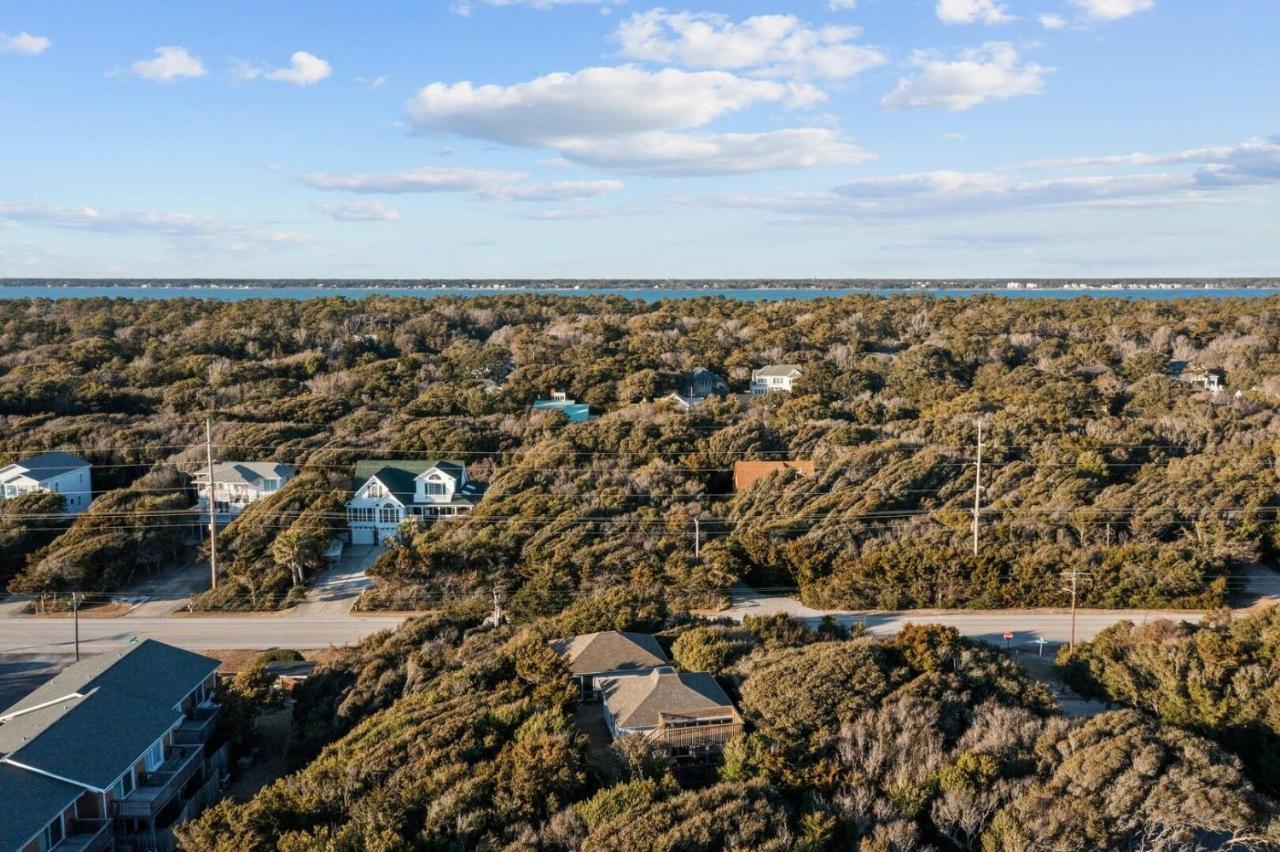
pixel 166 593
pixel 334 592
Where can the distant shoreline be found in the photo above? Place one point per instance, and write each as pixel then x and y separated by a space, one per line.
pixel 612 285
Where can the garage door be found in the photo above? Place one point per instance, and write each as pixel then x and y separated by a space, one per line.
pixel 362 536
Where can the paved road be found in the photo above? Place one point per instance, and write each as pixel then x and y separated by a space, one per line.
pixel 53 636
pixel 330 623
pixel 1026 625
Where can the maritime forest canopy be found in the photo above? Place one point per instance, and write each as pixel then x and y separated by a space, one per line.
pixel 1103 451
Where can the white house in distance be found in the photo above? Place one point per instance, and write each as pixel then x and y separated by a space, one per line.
pixel 56 472
pixel 390 492
pixel 774 378
pixel 239 483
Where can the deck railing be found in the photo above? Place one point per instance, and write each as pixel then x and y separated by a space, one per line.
pixel 156 789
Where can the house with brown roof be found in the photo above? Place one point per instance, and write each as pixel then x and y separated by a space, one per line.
pixel 747 473
pixel 685 712
pixel 593 656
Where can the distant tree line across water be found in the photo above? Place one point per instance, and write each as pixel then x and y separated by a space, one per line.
pixel 650 283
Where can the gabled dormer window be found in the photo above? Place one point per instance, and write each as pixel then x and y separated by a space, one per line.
pixel 375 489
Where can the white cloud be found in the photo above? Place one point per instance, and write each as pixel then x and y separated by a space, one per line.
pixel 1113 10
pixel 24 43
pixel 413 180
pixel 493 185
pixel 211 230
pixel 560 190
pixel 360 211
pixel 305 69
pixel 625 117
pixel 972 11
pixel 1052 22
pixel 773 45
pixel 842 5
pixel 170 64
pixel 677 154
pixel 594 103
pixel 992 72
pixel 1253 163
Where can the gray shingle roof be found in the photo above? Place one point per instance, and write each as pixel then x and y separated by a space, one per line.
pixel 92 721
pixel 246 473
pixel 777 370
pixel 91 740
pixel 48 465
pixel 611 651
pixel 637 701
pixel 30 802
pixel 149 671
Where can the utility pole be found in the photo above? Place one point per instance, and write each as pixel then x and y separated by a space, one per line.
pixel 497 617
pixel 76 600
pixel 977 491
pixel 1073 576
pixel 213 517
pixel 697 538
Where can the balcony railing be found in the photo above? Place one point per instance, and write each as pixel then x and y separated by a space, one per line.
pixel 198 727
pixel 156 789
pixel 707 733
pixel 87 835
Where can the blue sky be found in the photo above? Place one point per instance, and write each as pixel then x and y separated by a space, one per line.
pixel 618 138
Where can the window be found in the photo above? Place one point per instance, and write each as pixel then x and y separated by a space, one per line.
pixel 154 757
pixel 437 489
pixel 389 515
pixel 360 515
pixel 52 835
pixel 124 786
pixel 375 490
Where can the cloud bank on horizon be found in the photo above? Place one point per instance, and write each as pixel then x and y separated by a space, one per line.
pixel 572 137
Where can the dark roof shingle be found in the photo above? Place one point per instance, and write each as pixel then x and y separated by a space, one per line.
pixel 30 802
pixel 94 719
pixel 611 651
pixel 639 701
pixel 52 464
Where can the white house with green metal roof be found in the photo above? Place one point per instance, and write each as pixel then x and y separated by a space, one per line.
pixel 388 492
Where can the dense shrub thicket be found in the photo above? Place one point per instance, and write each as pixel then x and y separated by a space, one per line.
pixel 1098 458
pixel 445 736
pixel 1220 678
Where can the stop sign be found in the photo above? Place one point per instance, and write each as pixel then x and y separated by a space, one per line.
pixel 1008 637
